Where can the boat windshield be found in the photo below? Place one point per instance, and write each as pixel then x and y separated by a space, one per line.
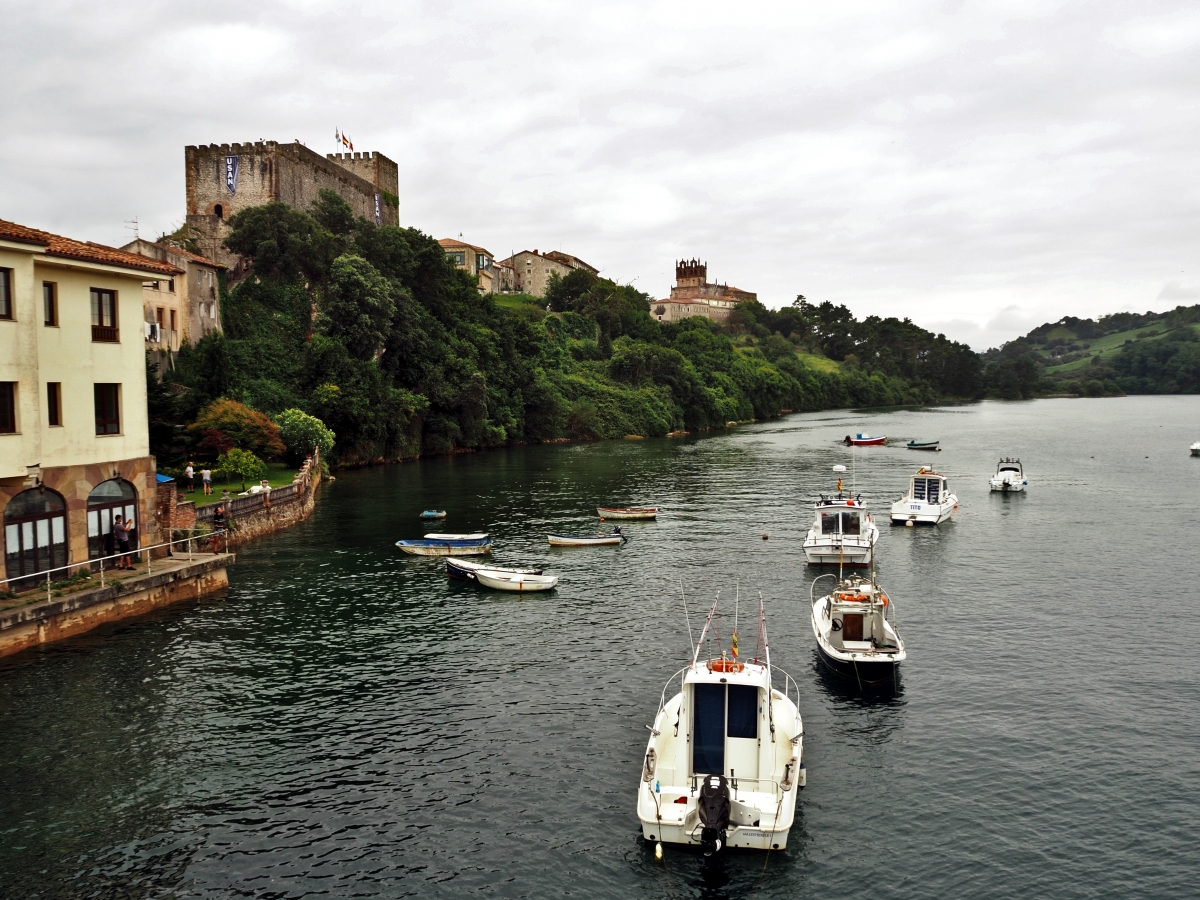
pixel 840 523
pixel 1007 468
pixel 933 491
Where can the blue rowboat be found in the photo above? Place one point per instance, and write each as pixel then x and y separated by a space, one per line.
pixel 428 547
pixel 433 514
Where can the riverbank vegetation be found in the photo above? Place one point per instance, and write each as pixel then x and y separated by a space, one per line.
pixel 371 331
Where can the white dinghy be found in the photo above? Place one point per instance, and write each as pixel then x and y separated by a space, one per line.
pixel 843 533
pixel 1009 477
pixel 929 500
pixel 724 760
pixel 1196 449
pixel 514 581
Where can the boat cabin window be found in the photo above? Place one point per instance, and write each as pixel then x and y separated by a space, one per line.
pixel 1009 469
pixel 933 491
pixel 721 711
pixel 918 489
pixel 844 522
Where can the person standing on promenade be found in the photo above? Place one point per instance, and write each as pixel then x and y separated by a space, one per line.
pixel 219 525
pixel 121 531
pixel 190 472
pixel 206 478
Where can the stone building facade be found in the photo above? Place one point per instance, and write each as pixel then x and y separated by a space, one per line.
pixel 532 270
pixel 223 179
pixel 178 310
pixel 694 295
pixel 74 433
pixel 476 260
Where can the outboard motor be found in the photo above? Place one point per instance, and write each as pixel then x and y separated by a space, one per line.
pixel 714 807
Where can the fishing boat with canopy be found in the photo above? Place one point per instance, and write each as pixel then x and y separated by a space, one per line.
pixel 855 627
pixel 725 756
pixel 843 533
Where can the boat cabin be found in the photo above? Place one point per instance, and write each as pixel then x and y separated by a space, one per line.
pixel 857 612
pixel 1008 464
pixel 928 486
pixel 840 517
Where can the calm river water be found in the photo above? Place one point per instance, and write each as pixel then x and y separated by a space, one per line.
pixel 344 722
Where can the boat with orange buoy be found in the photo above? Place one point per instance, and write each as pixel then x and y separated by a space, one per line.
pixel 855 627
pixel 843 533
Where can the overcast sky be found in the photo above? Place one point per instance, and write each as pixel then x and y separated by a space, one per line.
pixel 980 167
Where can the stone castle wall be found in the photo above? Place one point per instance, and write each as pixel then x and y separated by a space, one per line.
pixel 291 173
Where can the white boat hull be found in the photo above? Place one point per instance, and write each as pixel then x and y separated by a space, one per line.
pixel 840 550
pixel 503 581
pixel 447 550
pixel 627 514
pixel 1007 485
pixel 920 512
pixel 557 540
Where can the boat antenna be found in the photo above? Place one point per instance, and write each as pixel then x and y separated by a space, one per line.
pixel 737 597
pixel 686 617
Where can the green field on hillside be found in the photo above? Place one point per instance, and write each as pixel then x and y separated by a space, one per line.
pixel 1108 345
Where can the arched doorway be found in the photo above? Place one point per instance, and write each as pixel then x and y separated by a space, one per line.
pixel 110 498
pixel 35 534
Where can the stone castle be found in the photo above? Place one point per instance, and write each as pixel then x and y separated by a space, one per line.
pixel 223 179
pixel 694 295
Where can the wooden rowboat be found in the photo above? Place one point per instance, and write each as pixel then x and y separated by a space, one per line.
pixel 429 547
pixel 464 569
pixel 627 512
pixel 506 581
pixel 584 540
pixel 865 440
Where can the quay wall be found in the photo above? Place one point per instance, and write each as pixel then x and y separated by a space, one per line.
pixel 53 620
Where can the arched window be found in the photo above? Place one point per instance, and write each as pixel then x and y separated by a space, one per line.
pixel 35 533
pixel 219 211
pixel 110 498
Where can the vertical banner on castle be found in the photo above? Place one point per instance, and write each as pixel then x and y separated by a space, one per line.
pixel 231 170
pixel 378 212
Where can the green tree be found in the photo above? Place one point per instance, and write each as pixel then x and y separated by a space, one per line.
pixel 303 434
pixel 243 464
pixel 357 307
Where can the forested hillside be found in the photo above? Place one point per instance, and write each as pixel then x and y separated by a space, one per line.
pixel 1132 353
pixel 373 331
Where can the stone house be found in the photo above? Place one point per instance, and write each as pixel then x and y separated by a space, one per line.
pixel 178 310
pixel 532 270
pixel 694 295
pixel 223 179
pixel 74 435
pixel 476 260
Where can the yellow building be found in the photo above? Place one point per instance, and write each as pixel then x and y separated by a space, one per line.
pixel 74 438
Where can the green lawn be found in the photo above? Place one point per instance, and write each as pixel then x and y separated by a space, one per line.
pixel 278 474
pixel 820 363
pixel 1110 344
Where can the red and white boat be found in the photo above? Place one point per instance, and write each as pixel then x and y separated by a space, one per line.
pixel 627 512
pixel 865 440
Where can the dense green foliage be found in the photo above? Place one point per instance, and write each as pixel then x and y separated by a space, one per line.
pixel 242 464
pixel 303 434
pixel 1134 353
pixel 373 332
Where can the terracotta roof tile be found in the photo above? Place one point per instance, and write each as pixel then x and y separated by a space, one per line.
pixel 57 245
pixel 194 257
pixel 450 242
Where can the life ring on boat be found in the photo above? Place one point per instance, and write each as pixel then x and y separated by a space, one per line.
pixel 725 665
pixel 885 599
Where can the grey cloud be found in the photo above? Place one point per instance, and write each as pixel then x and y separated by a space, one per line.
pixel 987 166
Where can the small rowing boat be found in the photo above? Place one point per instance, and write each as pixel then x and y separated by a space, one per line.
pixel 864 440
pixel 433 514
pixel 509 581
pixel 627 512
pixel 585 540
pixel 477 536
pixel 435 547
pixel 923 445
pixel 464 570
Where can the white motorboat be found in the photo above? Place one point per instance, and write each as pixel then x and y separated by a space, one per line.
pixel 1196 449
pixel 854 636
pixel 843 532
pixel 725 756
pixel 514 581
pixel 929 500
pixel 1010 476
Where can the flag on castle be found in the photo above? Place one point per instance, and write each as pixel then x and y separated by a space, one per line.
pixel 339 137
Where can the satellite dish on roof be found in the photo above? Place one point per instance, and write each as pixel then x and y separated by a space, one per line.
pixel 839 468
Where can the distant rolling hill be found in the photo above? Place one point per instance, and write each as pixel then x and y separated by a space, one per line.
pixel 1134 353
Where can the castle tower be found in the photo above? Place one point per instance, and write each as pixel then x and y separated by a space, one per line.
pixel 690 273
pixel 224 179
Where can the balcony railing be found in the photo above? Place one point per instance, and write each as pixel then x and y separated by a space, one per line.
pixel 108 334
